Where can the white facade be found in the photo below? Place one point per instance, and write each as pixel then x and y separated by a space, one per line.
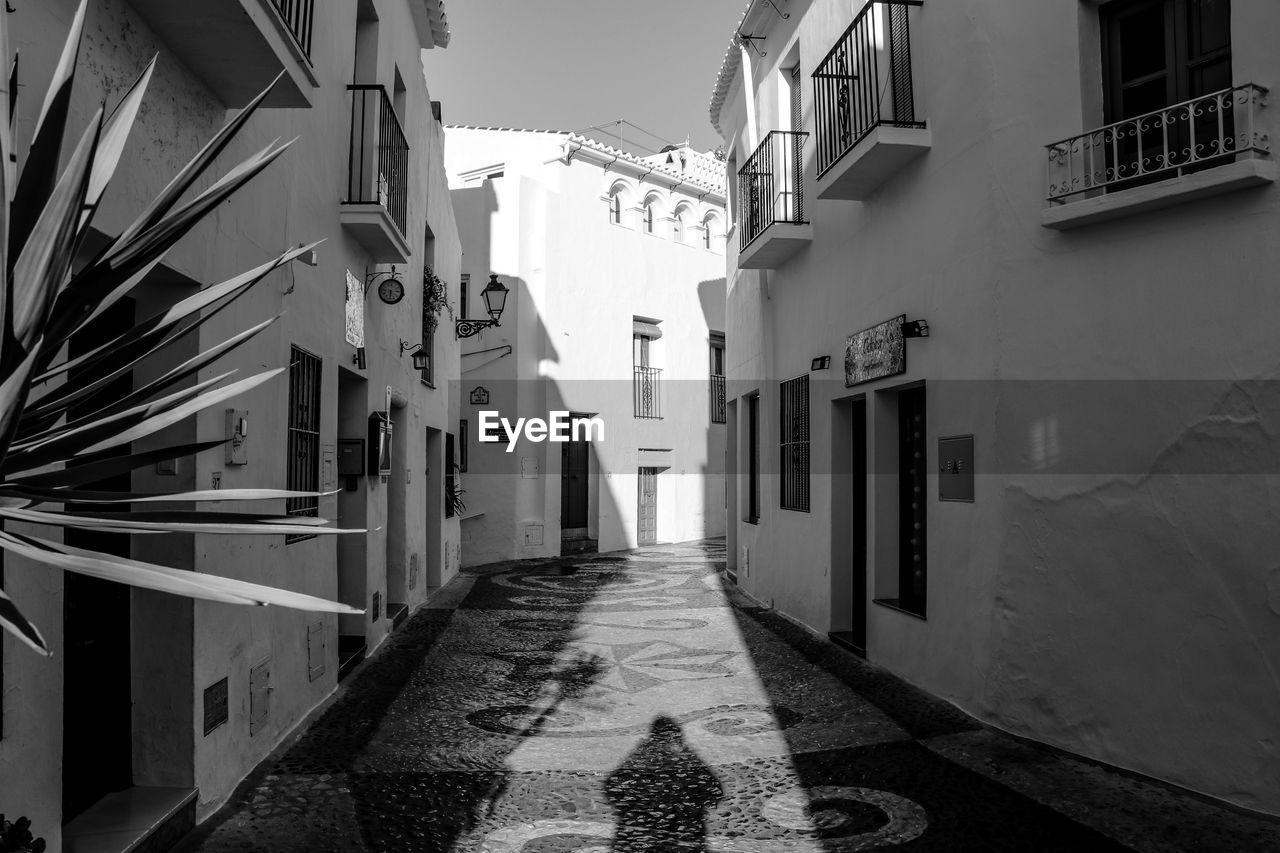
pixel 1111 589
pixel 142 715
pixel 591 242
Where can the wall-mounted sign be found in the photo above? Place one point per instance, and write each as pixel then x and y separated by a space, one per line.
pixel 480 396
pixel 355 311
pixel 875 353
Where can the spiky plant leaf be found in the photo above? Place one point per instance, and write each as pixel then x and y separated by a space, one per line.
pixel 48 438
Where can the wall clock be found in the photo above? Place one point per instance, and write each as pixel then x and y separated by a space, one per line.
pixel 391 290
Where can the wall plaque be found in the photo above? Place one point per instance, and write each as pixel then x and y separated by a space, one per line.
pixel 875 353
pixel 480 396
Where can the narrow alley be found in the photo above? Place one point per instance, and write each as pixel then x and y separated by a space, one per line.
pixel 638 702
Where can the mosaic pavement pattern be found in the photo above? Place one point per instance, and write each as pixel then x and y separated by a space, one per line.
pixel 626 703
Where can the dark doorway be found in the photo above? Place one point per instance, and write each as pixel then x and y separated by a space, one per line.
pixel 97 732
pixel 574 497
pixel 647 517
pixel 912 529
pixel 858 527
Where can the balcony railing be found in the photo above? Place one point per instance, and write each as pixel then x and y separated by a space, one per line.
pixel 865 80
pixel 297 17
pixel 717 399
pixel 769 184
pixel 648 400
pixel 1205 131
pixel 378 159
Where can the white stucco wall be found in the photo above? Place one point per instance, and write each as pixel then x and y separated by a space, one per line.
pixel 577 281
pixel 294 201
pixel 1110 591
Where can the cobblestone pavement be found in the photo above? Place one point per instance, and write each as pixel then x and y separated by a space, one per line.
pixel 623 703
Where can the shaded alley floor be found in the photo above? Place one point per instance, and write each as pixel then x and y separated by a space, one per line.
pixel 628 703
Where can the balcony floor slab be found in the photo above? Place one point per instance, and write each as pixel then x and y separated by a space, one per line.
pixel 877 157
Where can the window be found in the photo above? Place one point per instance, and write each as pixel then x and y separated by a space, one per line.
pixel 717 378
pixel 302 454
pixel 710 232
pixel 644 332
pixel 753 458
pixel 794 443
pixel 429 350
pixel 450 480
pixel 1156 53
pixel 464 433
pixel 677 223
pixel 912 464
pixel 464 295
pixel 615 207
pixel 648 216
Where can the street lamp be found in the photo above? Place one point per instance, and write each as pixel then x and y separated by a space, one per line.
pixel 420 357
pixel 495 300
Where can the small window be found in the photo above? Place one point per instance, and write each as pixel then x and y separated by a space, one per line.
pixel 429 349
pixel 648 216
pixel 753 459
pixel 464 295
pixel 794 444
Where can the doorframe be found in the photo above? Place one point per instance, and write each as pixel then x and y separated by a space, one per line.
pixel 850 589
pixel 586 531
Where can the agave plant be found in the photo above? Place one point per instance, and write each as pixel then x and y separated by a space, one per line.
pixel 54 411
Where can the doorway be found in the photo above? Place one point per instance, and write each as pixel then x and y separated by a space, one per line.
pixel 574 490
pixel 849 525
pixel 97 732
pixel 433 507
pixel 647 516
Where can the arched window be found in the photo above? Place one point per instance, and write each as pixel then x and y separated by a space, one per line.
pixel 648 215
pixel 615 204
pixel 678 220
pixel 710 232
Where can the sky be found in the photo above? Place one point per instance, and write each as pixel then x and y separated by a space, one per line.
pixel 572 64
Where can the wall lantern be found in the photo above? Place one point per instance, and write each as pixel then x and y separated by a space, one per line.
pixel 495 300
pixel 419 355
pixel 915 329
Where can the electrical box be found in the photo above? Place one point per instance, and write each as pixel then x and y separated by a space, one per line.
pixel 237 446
pixel 350 457
pixel 955 468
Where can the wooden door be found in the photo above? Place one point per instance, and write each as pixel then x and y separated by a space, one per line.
pixel 573 488
pixel 647 524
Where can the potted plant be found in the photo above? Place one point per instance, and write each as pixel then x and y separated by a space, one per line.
pixel 16 837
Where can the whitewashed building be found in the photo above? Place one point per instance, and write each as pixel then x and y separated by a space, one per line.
pixel 1001 353
pixel 153 707
pixel 615 312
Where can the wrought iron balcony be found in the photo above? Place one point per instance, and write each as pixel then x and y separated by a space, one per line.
pixel 297 16
pixel 717 399
pixel 1212 130
pixel 771 193
pixel 377 199
pixel 864 83
pixel 648 400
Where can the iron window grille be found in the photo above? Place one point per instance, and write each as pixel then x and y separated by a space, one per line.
pixel 794 443
pixel 770 185
pixel 377 154
pixel 302 456
pixel 298 18
pixel 865 81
